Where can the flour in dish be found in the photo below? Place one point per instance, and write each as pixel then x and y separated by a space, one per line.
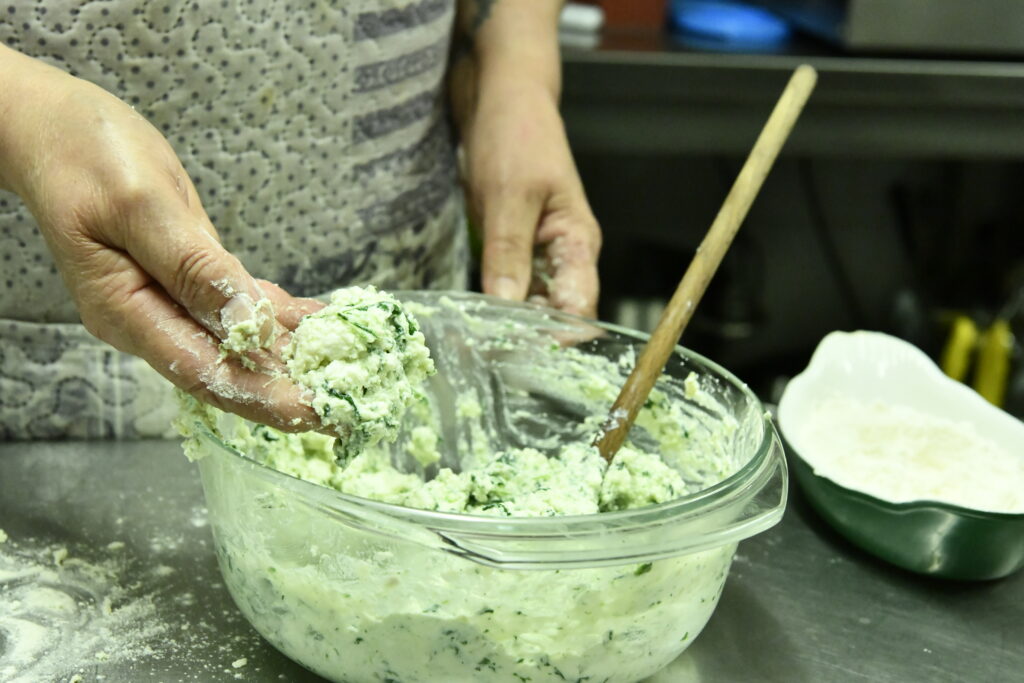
pixel 900 454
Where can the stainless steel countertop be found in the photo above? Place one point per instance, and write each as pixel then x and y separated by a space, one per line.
pixel 800 604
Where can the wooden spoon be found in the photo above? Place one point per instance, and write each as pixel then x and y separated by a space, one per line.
pixel 705 262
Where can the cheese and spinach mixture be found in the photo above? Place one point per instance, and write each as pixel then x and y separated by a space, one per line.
pixel 365 360
pixel 356 603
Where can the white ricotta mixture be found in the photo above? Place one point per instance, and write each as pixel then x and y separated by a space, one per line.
pixel 365 359
pixel 899 454
pixel 364 610
pixel 517 483
pixel 249 326
pixel 486 437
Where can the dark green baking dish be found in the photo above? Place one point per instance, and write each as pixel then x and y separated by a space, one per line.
pixel 926 537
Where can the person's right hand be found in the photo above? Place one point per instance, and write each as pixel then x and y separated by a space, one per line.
pixel 132 242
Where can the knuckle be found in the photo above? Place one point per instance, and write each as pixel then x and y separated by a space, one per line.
pixel 508 244
pixel 596 237
pixel 130 197
pixel 196 268
pixel 121 201
pixel 74 211
pixel 535 187
pixel 111 314
pixel 93 325
pixel 586 233
pixel 197 388
pixel 98 325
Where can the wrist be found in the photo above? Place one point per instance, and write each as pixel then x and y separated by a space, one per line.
pixel 516 41
pixel 506 76
pixel 25 86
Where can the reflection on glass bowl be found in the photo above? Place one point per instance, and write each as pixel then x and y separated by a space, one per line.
pixel 360 590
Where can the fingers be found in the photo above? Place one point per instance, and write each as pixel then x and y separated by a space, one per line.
pixel 142 259
pixel 141 319
pixel 289 309
pixel 570 243
pixel 175 246
pixel 510 221
pixel 565 276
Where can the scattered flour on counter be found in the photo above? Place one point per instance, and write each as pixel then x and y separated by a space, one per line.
pixel 58 612
pixel 200 517
pixel 95 620
pixel 900 454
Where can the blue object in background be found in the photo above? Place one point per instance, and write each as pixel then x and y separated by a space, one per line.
pixel 727 25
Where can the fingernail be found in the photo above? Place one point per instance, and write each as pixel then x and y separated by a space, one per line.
pixel 242 310
pixel 239 309
pixel 506 287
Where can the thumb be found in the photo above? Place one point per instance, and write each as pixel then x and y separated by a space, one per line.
pixel 509 225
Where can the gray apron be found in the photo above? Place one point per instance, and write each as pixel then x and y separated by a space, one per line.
pixel 316 134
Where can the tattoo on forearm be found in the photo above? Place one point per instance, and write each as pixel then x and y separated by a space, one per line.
pixel 483 11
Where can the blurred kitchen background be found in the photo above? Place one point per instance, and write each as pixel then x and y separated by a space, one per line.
pixel 897 205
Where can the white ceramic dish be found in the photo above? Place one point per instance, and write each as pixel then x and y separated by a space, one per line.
pixel 872 366
pixel 926 536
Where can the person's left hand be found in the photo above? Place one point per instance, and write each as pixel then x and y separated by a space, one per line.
pixel 539 235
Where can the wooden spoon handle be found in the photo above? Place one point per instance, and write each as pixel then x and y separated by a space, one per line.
pixel 705 262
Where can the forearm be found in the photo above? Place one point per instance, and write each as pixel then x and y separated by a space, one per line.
pixel 504 44
pixel 12 67
pixel 25 85
pixel 514 39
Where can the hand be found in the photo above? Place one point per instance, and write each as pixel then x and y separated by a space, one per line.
pixel 539 235
pixel 131 239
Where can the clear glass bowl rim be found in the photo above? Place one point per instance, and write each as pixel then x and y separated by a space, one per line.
pixel 744 484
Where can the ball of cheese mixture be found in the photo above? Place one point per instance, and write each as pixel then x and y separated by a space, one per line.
pixel 364 359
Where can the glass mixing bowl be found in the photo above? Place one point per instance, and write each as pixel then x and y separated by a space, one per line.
pixel 358 590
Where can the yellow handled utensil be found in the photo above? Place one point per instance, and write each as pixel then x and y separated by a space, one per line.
pixel 995 348
pixel 956 356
